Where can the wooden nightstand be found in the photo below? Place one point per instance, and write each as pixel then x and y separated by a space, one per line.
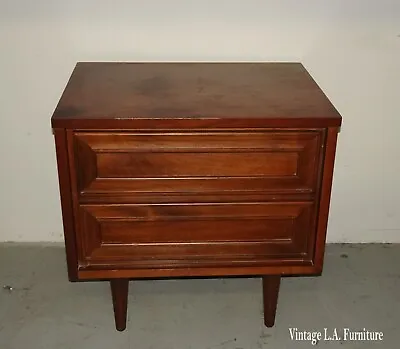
pixel 194 169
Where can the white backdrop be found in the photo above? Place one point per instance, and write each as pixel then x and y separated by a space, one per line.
pixel 352 49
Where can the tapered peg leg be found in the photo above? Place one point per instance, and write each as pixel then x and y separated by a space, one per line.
pixel 119 291
pixel 271 286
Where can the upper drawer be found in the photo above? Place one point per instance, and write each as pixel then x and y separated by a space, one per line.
pixel 134 164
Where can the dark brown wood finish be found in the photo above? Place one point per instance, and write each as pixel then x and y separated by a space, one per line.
pixel 148 236
pixel 194 169
pixel 196 95
pixel 201 163
pixel 66 202
pixel 324 201
pixel 271 286
pixel 119 292
pixel 292 268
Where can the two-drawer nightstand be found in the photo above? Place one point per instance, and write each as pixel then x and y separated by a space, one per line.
pixel 194 169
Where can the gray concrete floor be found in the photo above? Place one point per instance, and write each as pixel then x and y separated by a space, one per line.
pixel 360 288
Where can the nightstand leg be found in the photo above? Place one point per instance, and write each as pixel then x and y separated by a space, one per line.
pixel 119 291
pixel 270 297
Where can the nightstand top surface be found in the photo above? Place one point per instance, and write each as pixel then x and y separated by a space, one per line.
pixel 274 93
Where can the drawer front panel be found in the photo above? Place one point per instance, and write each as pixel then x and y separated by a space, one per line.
pixel 185 163
pixel 162 235
pixel 177 165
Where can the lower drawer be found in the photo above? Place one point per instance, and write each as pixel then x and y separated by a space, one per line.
pixel 182 235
